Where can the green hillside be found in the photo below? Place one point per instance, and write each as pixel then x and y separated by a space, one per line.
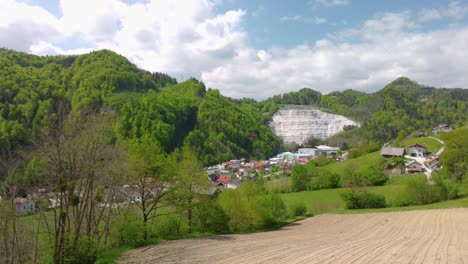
pixel 370 159
pixel 36 92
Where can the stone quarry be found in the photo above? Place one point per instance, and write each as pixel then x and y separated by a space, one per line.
pixel 296 124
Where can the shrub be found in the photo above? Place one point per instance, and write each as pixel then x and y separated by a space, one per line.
pixel 276 207
pixel 419 192
pixel 244 207
pixel 130 233
pixel 328 180
pixel 363 200
pixel 171 226
pixel 298 209
pixel 448 189
pixel 84 252
pixel 210 217
pixel 374 177
pixel 299 178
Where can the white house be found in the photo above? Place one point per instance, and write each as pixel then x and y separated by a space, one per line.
pixel 417 150
pixel 329 151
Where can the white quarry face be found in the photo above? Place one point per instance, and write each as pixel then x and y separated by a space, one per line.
pixel 296 124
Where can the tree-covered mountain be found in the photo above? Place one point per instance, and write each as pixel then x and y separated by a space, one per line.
pixel 35 91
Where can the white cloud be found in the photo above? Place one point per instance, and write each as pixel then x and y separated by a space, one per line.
pixel 315 19
pixel 455 10
pixel 22 25
pixel 189 38
pixel 364 58
pixel 329 3
pixel 182 38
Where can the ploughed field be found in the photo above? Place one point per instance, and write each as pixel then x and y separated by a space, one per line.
pixel 424 236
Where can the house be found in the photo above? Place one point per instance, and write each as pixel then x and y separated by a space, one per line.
pixel 131 194
pixel 262 165
pixel 302 160
pixel 311 151
pixel 286 156
pixel 234 183
pixel 223 179
pixel 389 152
pixel 417 150
pixel 213 176
pixel 326 150
pixel 232 164
pixel 414 167
pixel 210 191
pixel 25 206
pixel 441 128
pixel 434 163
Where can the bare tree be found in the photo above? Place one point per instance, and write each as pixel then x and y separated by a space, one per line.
pixel 76 156
pixel 15 236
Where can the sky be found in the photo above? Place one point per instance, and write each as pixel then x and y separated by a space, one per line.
pixel 257 48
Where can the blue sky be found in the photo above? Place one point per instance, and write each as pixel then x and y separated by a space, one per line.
pixel 256 48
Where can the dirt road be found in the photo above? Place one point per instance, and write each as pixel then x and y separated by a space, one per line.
pixel 426 236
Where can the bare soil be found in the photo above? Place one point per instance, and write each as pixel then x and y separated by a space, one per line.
pixel 425 236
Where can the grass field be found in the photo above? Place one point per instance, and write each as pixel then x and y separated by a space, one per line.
pixel 329 200
pixel 368 159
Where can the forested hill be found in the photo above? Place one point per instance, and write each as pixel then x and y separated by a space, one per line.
pixel 37 91
pixel 395 111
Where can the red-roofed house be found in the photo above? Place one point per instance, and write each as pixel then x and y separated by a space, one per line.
pixel 302 160
pixel 261 165
pixel 441 128
pixel 224 179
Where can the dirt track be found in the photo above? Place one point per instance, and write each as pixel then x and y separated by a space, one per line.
pixel 429 236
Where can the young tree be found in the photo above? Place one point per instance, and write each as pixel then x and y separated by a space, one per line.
pixel 151 175
pixel 455 157
pixel 299 178
pixel 190 185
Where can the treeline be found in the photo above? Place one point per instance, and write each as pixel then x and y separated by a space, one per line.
pixel 34 89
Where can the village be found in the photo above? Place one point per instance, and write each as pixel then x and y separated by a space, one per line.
pixel 231 174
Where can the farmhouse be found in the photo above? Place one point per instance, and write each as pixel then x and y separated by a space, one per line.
pixel 389 152
pixel 434 163
pixel 441 128
pixel 414 167
pixel 417 150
